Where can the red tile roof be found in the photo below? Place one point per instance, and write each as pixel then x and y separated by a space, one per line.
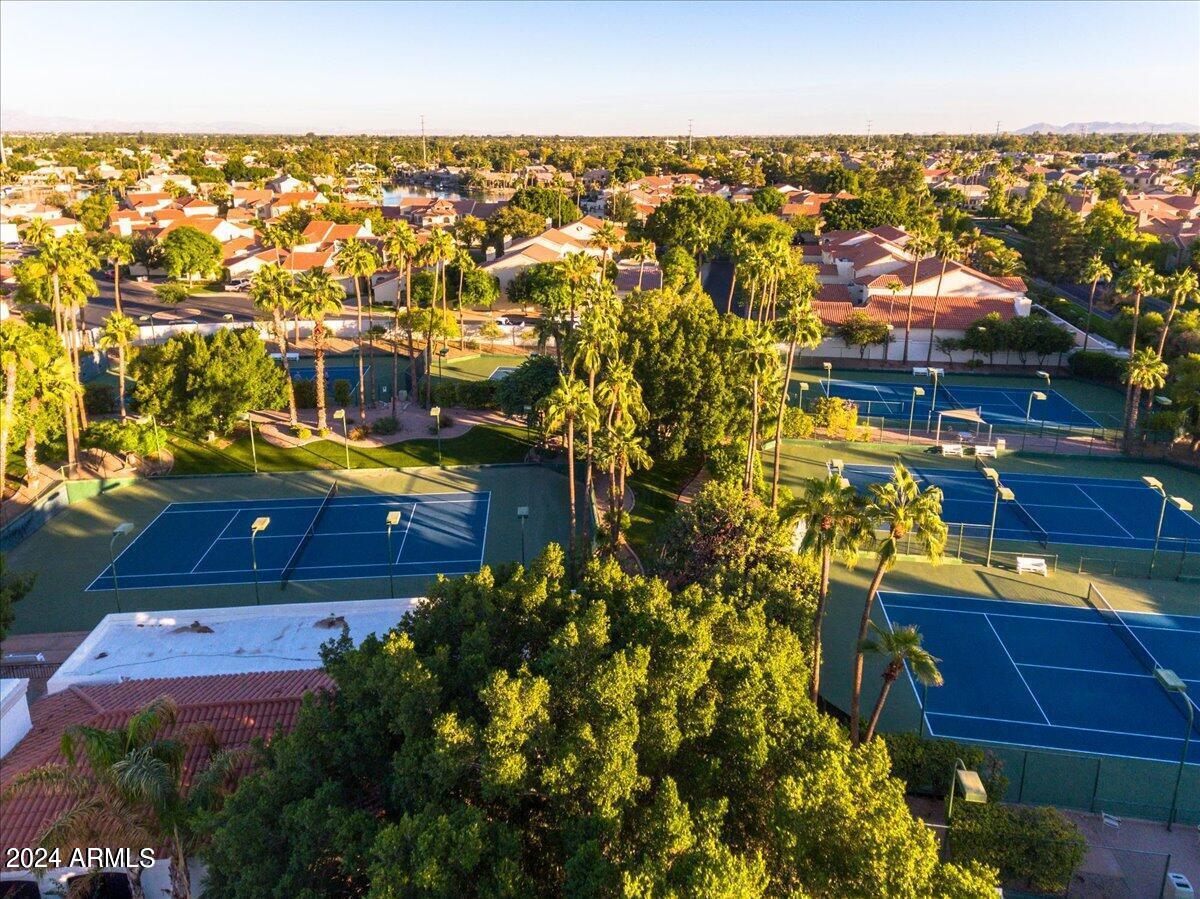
pixel 240 708
pixel 954 313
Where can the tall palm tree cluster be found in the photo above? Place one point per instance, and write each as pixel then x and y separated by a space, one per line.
pixel 839 522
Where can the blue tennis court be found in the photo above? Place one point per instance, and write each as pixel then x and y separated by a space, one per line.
pixel 1055 677
pixel 304 372
pixel 997 405
pixel 316 538
pixel 1110 512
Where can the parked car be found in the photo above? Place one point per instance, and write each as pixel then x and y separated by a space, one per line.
pixel 238 284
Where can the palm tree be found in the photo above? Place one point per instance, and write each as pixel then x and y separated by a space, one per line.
pixel 900 645
pixel 129 787
pixel 13 357
pixel 358 260
pixel 568 405
pixel 592 339
pixel 273 290
pixel 624 451
pixel 919 244
pixel 119 333
pixel 438 251
pixel 52 378
pixel 762 362
pixel 37 232
pixel 401 247
pixel 464 263
pixel 803 327
pixel 580 270
pixel 905 511
pixel 947 249
pixel 1137 280
pixel 606 238
pixel 739 250
pixel 643 252
pixel 1181 287
pixel 1146 371
pixel 836 524
pixel 1094 271
pixel 117 252
pixel 318 295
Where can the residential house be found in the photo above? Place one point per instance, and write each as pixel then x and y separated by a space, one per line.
pixel 549 246
pixel 285 183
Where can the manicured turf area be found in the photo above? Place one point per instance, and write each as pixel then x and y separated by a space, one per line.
pixel 482 445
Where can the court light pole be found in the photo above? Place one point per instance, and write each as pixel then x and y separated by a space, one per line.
pixel 341 413
pixel 1177 501
pixel 522 514
pixel 393 519
pixel 828 366
pixel 936 374
pixel 1045 376
pixel 436 414
pixel 1001 493
pixel 442 354
pixel 1172 683
pixel 121 530
pixel 972 787
pixel 259 525
pixel 253 451
pixel 803 390
pixel 1034 395
pixel 912 409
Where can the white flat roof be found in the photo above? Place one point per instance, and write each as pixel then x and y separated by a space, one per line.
pixel 143 645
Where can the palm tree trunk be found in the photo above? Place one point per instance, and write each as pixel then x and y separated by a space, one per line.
pixel 571 492
pixel 135 883
pixel 818 619
pixel 395 355
pixel 1129 413
pixel 121 379
pixel 589 476
pixel 281 338
pixel 729 298
pixel 888 679
pixel 462 331
pixel 76 340
pixel 10 401
pixel 753 437
pixel 69 422
pixel 863 626
pixel 908 315
pixel 181 881
pixel 1162 336
pixel 362 386
pixel 1087 328
pixel 117 286
pixel 319 370
pixel 412 350
pixel 783 395
pixel 614 504
pixel 937 295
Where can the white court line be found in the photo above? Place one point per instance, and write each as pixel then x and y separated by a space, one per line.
pixel 1086 670
pixel 232 519
pixel 912 682
pixel 1106 512
pixel 262 570
pixel 129 546
pixel 487 517
pixel 404 538
pixel 1027 602
pixel 1086 730
pixel 1017 669
pixel 398 499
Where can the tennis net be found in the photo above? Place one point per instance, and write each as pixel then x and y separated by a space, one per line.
pixel 1039 532
pixel 1138 650
pixel 308 535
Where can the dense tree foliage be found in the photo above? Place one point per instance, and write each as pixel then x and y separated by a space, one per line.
pixel 547 202
pixel 515 737
pixel 201 384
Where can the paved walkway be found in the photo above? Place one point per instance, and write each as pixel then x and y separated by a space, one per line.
pixel 415 423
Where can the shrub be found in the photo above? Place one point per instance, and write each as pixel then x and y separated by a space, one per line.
pixel 361 432
pixel 99 399
pixel 797 423
pixel 445 393
pixel 304 433
pixel 322 432
pixel 477 394
pixel 122 437
pixel 1162 423
pixel 727 463
pixel 341 392
pixel 388 425
pixel 446 419
pixel 1097 366
pixel 1034 848
pixel 471 343
pixel 924 765
pixel 837 415
pixel 306 393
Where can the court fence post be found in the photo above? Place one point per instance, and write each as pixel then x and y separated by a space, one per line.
pixel 1021 783
pixel 1096 784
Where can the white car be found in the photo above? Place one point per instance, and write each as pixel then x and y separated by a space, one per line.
pixel 238 284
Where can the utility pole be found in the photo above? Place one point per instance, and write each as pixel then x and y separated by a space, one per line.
pixel 869 135
pixel 689 137
pixel 424 161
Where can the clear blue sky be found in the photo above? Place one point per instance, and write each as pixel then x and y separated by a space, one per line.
pixel 597 68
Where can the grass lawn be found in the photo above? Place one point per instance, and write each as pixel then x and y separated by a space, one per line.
pixel 655 491
pixel 482 445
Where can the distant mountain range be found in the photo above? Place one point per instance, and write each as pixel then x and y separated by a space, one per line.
pixel 1110 128
pixel 20 121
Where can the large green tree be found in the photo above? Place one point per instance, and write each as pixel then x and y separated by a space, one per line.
pixel 517 737
pixel 189 253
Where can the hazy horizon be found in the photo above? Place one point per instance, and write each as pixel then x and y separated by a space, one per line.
pixel 600 69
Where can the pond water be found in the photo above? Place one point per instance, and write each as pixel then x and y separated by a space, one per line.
pixel 394 194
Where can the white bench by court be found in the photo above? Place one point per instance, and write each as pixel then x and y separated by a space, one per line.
pixel 1032 565
pixel 951 449
pixel 987 451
